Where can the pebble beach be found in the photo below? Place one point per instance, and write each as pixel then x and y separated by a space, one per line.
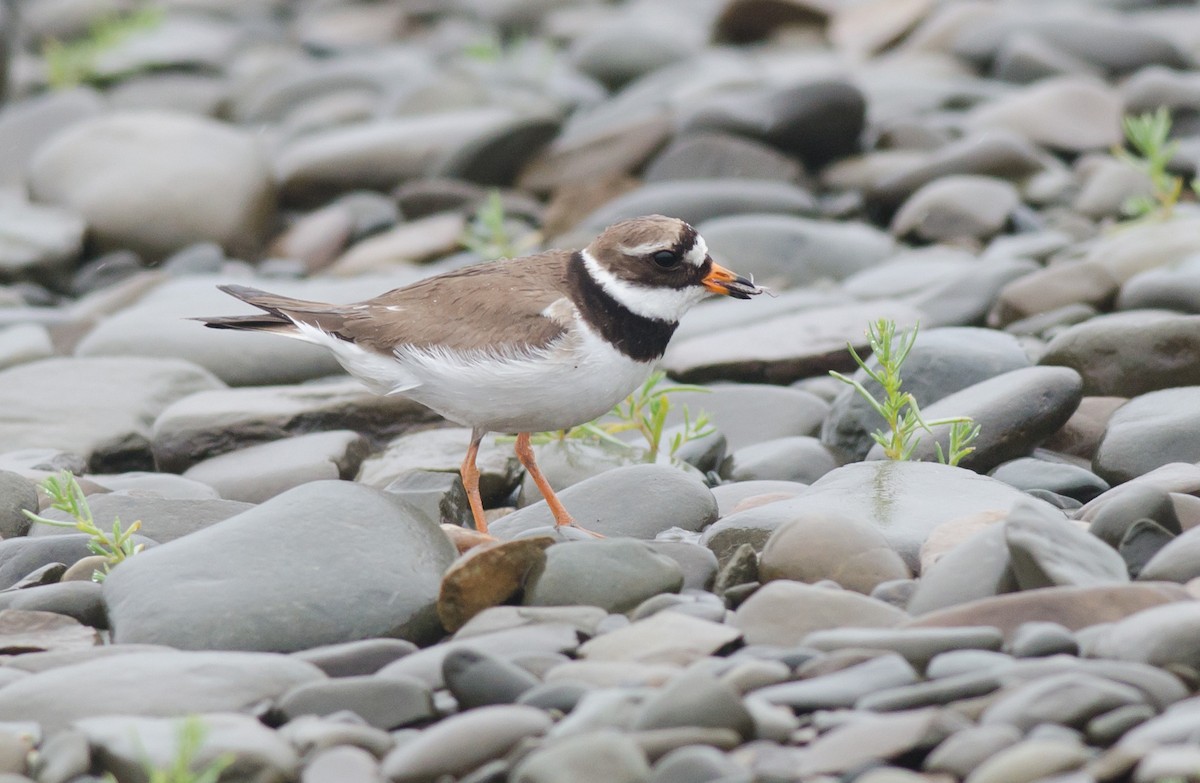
pixel 773 599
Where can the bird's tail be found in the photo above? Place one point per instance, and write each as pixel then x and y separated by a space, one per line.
pixel 274 317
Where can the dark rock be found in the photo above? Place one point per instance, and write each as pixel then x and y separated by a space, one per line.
pixel 383 702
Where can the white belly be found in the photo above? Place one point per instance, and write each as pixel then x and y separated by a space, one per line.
pixel 581 377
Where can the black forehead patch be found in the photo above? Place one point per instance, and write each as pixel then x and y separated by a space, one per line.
pixel 687 240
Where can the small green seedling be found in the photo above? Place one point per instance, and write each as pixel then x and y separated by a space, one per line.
pixel 74 63
pixel 899 408
pixel 1148 134
pixel 644 411
pixel 66 495
pixel 488 234
pixel 191 738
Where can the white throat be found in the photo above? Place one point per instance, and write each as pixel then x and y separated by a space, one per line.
pixel 661 304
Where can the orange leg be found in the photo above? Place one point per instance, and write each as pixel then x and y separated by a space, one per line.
pixel 470 477
pixel 525 454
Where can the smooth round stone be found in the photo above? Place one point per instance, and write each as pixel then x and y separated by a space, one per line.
pixel 799 458
pixel 22 556
pixel 152 683
pixel 66 755
pixel 794 251
pixel 259 473
pixel 1143 540
pixel 785 612
pixel 444 449
pixel 695 698
pixel 917 645
pixel 634 44
pixel 708 155
pixel 39 242
pixel 111 169
pixel 1157 636
pixel 17 495
pixel 477 679
pixel 383 702
pixel 964 750
pixel 698 563
pixel 310 734
pixel 77 599
pixel 816 546
pixel 1070 114
pixel 867 739
pixel 341 764
pixel 1063 478
pixel 1177 561
pixel 785 346
pixel 437 494
pixel 639 501
pixel 695 763
pixel 604 756
pixel 27 122
pixel 1024 59
pixel 906 501
pixel 995 153
pixel 561 696
pixel 1048 550
pixel 381 581
pixel 1166 763
pixel 1081 435
pixel 110 428
pixel 24 342
pixel 1030 760
pixel 1049 292
pixel 566 462
pixel 163 519
pixel 1036 640
pixel 379 154
pixel 616 574
pixel 163 485
pixel 1122 508
pixel 739 495
pixel 1015 411
pixel 1149 431
pixel 1174 288
pixel 1068 699
pixel 956 208
pixel 351 659
pixel 941 362
pixel 1109 185
pixel 736 409
pixel 1072 607
pixel 817 121
pixel 698 200
pixel 664 637
pixel 461 743
pixel 1129 354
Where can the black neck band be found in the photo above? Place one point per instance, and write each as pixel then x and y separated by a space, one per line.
pixel 638 337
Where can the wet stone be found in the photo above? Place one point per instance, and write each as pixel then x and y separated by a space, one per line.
pixel 383 702
pixel 477 679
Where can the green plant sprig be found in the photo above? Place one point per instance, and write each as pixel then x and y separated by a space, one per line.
pixel 488 235
pixel 644 411
pixel 73 63
pixel 1148 134
pixel 66 495
pixel 190 739
pixel 899 408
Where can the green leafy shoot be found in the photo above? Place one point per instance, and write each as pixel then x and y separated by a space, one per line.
pixel 1148 134
pixel 962 434
pixel 73 63
pixel 191 739
pixel 898 408
pixel 644 411
pixel 488 234
pixel 66 495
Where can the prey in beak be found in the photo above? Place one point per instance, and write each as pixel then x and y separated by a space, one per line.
pixel 720 280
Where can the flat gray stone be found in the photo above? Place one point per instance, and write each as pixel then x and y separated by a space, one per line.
pixel 1047 550
pixel 841 689
pixel 604 756
pixel 163 519
pixel 110 425
pixel 665 637
pixel 813 547
pixel 258 473
pixel 1068 699
pixel 1151 430
pixel 695 698
pixel 383 702
pixel 698 200
pixel 17 495
pixel 152 684
pixel 1158 636
pixel 215 422
pixel 616 575
pixel 461 743
pixel 382 579
pixel 917 645
pixel 783 613
pixel 639 501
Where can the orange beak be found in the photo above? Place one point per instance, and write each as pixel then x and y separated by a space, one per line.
pixel 720 280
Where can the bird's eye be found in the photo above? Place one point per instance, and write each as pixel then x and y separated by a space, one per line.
pixel 666 259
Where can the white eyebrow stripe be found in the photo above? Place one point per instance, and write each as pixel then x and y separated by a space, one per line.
pixel 643 249
pixel 698 253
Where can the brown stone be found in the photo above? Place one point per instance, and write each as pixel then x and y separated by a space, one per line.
pixel 486 576
pixel 24 631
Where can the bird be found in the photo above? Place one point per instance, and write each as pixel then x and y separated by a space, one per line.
pixel 532 344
